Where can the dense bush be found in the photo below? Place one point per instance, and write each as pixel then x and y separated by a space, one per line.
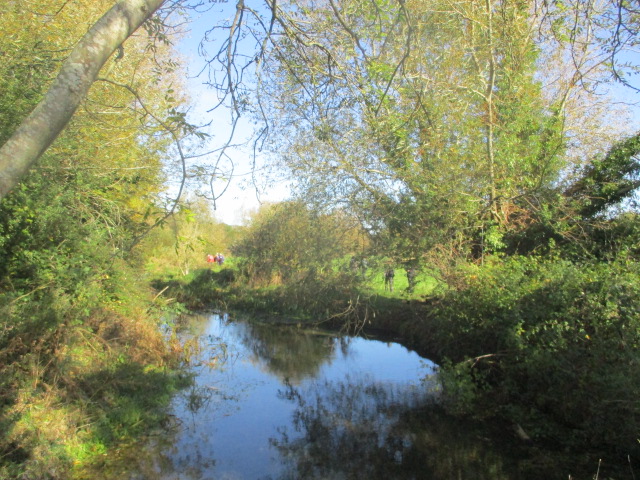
pixel 287 241
pixel 550 345
pixel 78 346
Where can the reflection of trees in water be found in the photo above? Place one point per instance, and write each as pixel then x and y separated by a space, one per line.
pixel 359 429
pixel 287 352
pixel 355 428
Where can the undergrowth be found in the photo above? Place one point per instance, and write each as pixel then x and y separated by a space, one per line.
pixel 73 388
pixel 549 345
pixel 335 297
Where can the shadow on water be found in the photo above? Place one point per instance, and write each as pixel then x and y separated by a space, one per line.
pixel 293 404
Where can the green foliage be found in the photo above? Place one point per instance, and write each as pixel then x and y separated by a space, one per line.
pixel 549 344
pixel 182 243
pixel 78 346
pixel 424 286
pixel 609 179
pixel 201 289
pixel 300 258
pixel 289 240
pixel 431 151
pixel 618 237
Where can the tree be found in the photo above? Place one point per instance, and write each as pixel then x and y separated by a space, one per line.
pixel 184 240
pixel 38 131
pixel 67 274
pixel 445 125
pixel 65 225
pixel 431 148
pixel 291 242
pixel 564 21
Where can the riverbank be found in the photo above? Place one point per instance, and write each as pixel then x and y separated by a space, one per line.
pixel 82 390
pixel 348 309
pixel 552 356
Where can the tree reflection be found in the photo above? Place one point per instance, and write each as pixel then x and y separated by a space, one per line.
pixel 287 352
pixel 359 429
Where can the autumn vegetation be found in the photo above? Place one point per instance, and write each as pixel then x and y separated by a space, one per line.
pixel 477 143
pixel 80 346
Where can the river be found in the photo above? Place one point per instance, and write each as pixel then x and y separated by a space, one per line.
pixel 284 402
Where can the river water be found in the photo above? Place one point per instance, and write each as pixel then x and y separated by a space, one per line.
pixel 282 402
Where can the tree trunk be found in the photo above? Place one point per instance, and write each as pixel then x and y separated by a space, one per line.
pixel 38 131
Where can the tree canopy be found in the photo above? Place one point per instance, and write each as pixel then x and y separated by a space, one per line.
pixel 444 125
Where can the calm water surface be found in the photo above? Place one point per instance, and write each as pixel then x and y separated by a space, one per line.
pixel 273 402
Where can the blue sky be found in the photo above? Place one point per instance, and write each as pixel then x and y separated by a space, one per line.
pixel 241 197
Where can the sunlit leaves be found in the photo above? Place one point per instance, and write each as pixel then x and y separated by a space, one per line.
pixel 97 186
pixel 290 241
pixel 440 122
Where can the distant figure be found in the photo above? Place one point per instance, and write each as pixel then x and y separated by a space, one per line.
pixel 211 259
pixel 388 279
pixel 220 259
pixel 353 264
pixel 411 279
pixel 363 267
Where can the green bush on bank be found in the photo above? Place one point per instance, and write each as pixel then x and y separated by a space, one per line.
pixel 549 344
pixel 309 294
pixel 81 373
pixel 83 364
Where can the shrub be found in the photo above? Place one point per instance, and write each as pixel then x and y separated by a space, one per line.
pixel 549 344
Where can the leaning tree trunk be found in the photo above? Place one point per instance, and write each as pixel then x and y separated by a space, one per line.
pixel 38 131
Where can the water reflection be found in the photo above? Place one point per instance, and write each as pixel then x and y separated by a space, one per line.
pixel 350 429
pixel 363 429
pixel 286 352
pixel 292 404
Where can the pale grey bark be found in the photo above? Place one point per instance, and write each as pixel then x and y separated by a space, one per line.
pixel 38 131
